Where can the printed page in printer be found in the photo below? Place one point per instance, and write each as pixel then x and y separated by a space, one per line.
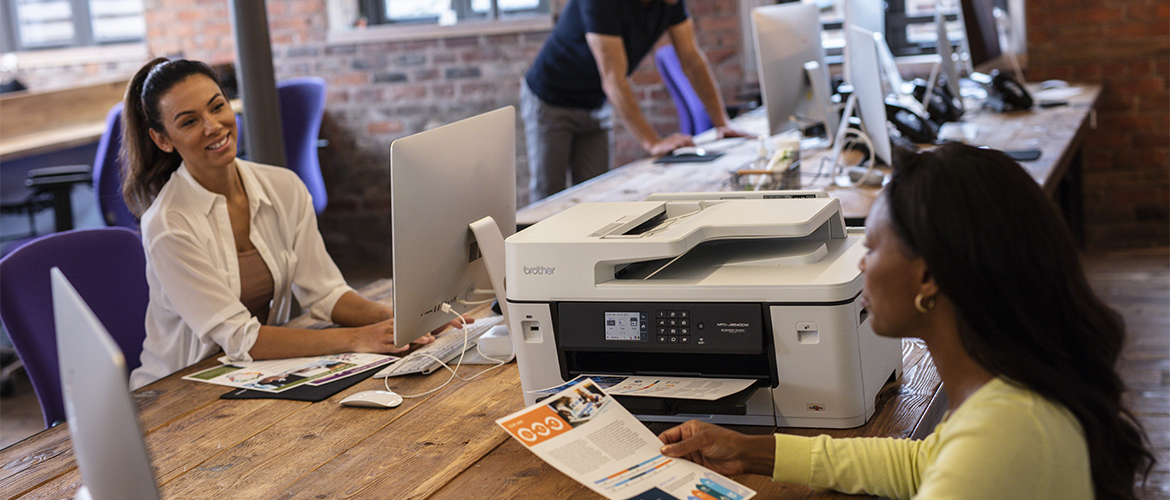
pixel 708 389
pixel 587 435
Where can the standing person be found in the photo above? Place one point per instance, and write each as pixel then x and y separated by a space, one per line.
pixel 968 254
pixel 579 80
pixel 228 242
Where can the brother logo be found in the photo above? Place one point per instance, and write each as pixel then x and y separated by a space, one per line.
pixel 539 270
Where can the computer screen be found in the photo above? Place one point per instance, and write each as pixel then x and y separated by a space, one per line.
pixel 861 47
pixel 441 181
pixel 103 420
pixel 981 31
pixel 946 53
pixel 788 36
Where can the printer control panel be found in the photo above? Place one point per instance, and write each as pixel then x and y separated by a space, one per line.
pixel 661 327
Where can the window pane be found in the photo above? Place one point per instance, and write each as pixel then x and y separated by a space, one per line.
pixel 397 10
pixel 117 20
pixel 45 22
pixel 507 5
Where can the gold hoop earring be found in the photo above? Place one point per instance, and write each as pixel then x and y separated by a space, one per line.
pixel 923 308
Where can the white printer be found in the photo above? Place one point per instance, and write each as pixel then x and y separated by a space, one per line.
pixel 764 289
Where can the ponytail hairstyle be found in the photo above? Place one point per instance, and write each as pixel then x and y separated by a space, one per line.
pixel 145 167
pixel 999 249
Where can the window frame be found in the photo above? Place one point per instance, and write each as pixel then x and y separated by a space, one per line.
pixel 83 36
pixel 375 13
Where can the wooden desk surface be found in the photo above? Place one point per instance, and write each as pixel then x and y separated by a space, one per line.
pixel 442 446
pixel 1057 132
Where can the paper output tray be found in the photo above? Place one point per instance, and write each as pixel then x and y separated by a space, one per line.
pixel 735 404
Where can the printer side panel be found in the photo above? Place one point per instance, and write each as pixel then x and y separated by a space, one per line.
pixel 533 341
pixel 881 357
pixel 818 360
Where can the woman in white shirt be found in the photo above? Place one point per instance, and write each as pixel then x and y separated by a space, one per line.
pixel 228 242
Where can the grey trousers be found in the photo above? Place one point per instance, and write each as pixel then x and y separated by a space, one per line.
pixel 563 140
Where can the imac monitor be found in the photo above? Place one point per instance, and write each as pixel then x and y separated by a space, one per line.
pixel 103 422
pixel 442 181
pixel 788 38
pixel 981 31
pixel 946 54
pixel 868 14
pixel 861 48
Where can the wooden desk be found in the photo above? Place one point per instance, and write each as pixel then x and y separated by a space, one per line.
pixel 1057 132
pixel 443 446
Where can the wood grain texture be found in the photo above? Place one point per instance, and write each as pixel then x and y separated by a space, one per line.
pixel 443 445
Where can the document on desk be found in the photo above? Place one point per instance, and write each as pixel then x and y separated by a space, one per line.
pixel 586 434
pixel 707 389
pixel 278 375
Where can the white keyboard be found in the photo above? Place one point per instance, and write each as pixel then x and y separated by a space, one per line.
pixel 445 347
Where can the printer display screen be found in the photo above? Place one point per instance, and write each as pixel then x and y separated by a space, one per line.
pixel 624 326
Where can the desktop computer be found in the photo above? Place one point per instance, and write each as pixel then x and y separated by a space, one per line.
pixel 794 79
pixel 442 182
pixel 102 417
pixel 453 201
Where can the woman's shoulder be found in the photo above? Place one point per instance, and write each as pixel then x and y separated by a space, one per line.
pixel 1006 408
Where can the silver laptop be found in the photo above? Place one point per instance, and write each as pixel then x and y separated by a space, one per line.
pixel 102 419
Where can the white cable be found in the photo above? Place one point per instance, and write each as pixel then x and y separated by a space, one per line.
pixel 447 308
pixel 479 291
pixel 842 179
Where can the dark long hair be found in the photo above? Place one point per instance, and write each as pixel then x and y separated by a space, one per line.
pixel 998 248
pixel 145 167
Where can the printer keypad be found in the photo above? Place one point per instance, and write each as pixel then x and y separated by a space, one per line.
pixel 674 327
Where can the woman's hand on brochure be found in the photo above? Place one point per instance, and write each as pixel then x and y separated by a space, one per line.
pixel 722 450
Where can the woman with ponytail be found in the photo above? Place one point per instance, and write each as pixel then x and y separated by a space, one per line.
pixel 228 242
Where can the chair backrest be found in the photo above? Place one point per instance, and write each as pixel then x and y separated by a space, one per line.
pixel 107 266
pixel 107 174
pixel 302 105
pixel 692 115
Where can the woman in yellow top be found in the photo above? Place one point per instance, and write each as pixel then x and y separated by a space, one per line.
pixel 967 253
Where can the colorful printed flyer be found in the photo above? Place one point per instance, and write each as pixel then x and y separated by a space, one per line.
pixel 279 375
pixel 586 434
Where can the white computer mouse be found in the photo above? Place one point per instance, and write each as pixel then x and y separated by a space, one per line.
pixel 689 151
pixel 373 399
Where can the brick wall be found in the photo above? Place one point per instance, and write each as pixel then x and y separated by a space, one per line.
pixel 1124 46
pixel 381 91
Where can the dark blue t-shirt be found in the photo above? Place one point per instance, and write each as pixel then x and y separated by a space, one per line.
pixel 565 72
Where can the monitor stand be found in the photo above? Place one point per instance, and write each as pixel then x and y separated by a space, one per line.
pixel 491 245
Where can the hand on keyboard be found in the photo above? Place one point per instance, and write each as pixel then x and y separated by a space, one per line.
pixel 444 348
pixel 379 337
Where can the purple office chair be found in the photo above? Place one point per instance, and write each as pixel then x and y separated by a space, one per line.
pixel 107 266
pixel 302 106
pixel 692 115
pixel 107 174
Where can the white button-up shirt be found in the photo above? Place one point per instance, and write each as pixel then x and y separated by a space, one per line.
pixel 193 269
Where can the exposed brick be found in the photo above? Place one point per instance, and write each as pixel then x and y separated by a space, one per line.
pixel 390 77
pixel 382 128
pixel 468 41
pixel 464 72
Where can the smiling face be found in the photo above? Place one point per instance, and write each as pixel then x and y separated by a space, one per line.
pixel 894 276
pixel 198 122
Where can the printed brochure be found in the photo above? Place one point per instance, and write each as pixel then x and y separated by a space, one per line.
pixel 279 375
pixel 586 434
